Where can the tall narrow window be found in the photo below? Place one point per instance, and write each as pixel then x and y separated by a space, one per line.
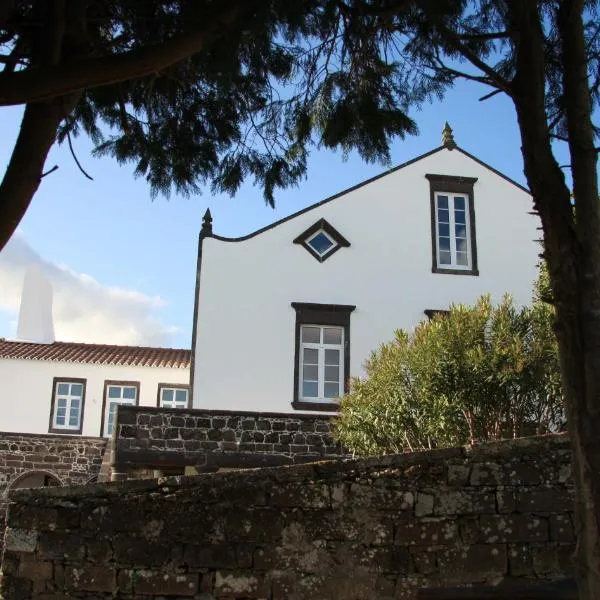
pixel 453 243
pixel 173 396
pixel 115 393
pixel 454 247
pixel 322 357
pixel 68 396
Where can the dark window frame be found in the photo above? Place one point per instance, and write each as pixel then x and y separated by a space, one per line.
pixel 330 230
pixel 108 382
pixel 66 430
pixel 458 185
pixel 174 386
pixel 308 313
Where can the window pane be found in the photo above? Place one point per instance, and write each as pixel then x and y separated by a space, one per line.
pixel 332 390
pixel 444 243
pixel 76 389
pixel 332 357
pixel 75 404
pixel 444 229
pixel 442 201
pixel 310 389
pixel 461 259
pixel 129 393
pixel 73 421
pixel 332 335
pixel 461 231
pixel 61 403
pixel 443 216
pixel 311 356
pixel 167 395
pixel 320 243
pixel 461 245
pixel 445 258
pixel 332 373
pixel 459 217
pixel 181 396
pixel 114 391
pixel 311 335
pixel 60 419
pixel 310 373
pixel 62 389
pixel 459 202
pixel 61 412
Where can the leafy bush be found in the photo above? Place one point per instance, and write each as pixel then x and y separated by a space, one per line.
pixel 478 373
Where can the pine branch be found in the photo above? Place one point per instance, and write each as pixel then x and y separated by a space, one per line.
pixel 34 85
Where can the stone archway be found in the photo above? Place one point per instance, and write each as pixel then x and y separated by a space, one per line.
pixel 35 479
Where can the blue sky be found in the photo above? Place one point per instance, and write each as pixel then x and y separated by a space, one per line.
pixel 123 266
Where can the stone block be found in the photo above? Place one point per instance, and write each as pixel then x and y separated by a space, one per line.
pixel 426 533
pixel 91 578
pixel 240 584
pixel 458 474
pixel 450 502
pixel 548 500
pixel 159 583
pixel 35 569
pixel 484 473
pixel 20 540
pixel 561 528
pixel 424 504
pixel 473 562
pixel 520 562
pixel 61 545
pixel 512 528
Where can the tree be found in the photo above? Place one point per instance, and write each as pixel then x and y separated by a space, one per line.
pixel 206 91
pixel 476 374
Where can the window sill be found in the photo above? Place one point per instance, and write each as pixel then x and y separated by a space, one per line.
pixel 472 272
pixel 64 431
pixel 316 406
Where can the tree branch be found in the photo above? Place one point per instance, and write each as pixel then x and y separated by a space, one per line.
pixel 33 85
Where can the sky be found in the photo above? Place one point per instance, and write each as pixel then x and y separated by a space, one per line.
pixel 123 266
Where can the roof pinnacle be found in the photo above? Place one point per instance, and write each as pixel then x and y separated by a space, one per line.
pixel 448 137
pixel 206 224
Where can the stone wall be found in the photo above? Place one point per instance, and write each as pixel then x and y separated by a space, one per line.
pixel 172 439
pixel 65 460
pixel 347 529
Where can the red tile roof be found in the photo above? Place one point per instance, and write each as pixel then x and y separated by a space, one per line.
pixel 100 354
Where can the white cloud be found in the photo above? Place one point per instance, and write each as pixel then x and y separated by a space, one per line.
pixel 84 309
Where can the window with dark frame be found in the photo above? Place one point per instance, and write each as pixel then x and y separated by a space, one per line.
pixel 322 355
pixel 115 393
pixel 322 240
pixel 172 395
pixel 66 409
pixel 453 239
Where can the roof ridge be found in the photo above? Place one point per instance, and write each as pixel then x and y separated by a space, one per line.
pixel 93 344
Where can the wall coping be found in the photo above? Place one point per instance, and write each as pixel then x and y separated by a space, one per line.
pixel 53 436
pixel 478 453
pixel 226 413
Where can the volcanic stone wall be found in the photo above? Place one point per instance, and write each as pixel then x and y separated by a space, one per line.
pixel 348 529
pixel 65 459
pixel 208 440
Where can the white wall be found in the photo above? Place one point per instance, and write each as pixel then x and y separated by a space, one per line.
pixel 26 390
pixel 244 355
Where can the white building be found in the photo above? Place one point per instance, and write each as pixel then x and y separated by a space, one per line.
pixel 72 388
pixel 285 315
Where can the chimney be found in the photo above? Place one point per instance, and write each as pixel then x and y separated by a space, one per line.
pixel 35 317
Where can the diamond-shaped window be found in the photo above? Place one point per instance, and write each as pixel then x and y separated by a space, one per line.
pixel 322 240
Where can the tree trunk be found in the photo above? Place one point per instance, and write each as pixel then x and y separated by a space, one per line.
pixel 572 248
pixel 24 171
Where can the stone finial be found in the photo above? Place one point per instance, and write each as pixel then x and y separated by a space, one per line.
pixel 448 137
pixel 206 224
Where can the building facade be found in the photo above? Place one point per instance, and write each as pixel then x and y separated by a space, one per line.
pixel 286 315
pixel 71 388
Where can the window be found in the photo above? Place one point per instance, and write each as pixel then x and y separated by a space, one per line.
pixel 172 396
pixel 453 225
pixel 66 413
pixel 322 240
pixel 115 393
pixel 322 356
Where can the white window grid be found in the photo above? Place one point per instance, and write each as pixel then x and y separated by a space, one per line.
pixel 322 364
pixel 456 253
pixel 68 403
pixel 174 397
pixel 117 394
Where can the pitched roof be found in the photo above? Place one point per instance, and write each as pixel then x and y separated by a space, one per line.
pixel 99 354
